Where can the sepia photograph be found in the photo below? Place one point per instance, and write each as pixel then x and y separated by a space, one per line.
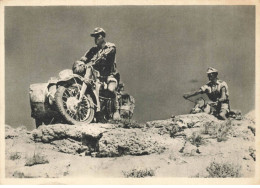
pixel 130 92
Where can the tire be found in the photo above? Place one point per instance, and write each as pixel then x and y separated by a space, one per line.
pixel 110 108
pixel 65 102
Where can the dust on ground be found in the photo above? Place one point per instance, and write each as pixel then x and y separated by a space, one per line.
pixel 193 145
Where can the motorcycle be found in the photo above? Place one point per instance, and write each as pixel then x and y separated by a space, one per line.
pixel 75 98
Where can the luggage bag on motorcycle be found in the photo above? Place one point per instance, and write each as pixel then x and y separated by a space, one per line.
pixel 38 100
pixel 127 106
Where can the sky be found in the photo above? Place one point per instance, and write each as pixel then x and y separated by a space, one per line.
pixel 162 52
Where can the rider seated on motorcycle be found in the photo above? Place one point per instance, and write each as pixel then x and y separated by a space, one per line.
pixel 103 54
pixel 217 91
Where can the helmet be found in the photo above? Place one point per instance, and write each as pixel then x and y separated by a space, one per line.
pixel 211 70
pixel 98 30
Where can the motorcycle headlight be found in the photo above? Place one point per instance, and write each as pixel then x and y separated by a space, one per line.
pixel 65 73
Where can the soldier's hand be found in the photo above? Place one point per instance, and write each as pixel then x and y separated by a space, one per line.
pixel 185 96
pixel 104 57
pixel 220 100
pixel 83 58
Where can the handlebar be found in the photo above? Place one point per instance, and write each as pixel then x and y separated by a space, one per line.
pixel 91 63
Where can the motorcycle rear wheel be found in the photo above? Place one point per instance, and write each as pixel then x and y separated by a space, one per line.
pixel 73 111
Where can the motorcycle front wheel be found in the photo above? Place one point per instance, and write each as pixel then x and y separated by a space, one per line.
pixel 71 109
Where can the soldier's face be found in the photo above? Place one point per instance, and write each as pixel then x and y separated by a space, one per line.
pixel 99 39
pixel 212 76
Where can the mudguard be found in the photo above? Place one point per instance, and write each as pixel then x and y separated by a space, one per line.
pixel 65 76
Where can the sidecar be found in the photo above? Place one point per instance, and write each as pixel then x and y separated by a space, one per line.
pixel 47 105
pixel 42 99
pixel 41 109
pixel 41 96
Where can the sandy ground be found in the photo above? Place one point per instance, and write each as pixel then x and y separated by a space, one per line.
pixel 236 150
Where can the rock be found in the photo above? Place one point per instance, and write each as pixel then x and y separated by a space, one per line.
pixel 159 123
pixel 91 141
pixel 252 129
pixel 109 140
pixel 243 130
pixel 252 153
pixel 68 146
pixel 194 120
pixel 160 127
pixel 54 132
pixel 129 142
pixel 179 123
pixel 72 139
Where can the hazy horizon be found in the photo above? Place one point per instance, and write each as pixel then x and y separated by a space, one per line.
pixel 162 52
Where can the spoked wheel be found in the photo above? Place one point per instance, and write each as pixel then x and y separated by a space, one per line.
pixel 73 110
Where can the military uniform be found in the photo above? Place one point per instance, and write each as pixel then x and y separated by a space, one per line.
pixel 213 91
pixel 106 65
pixel 104 56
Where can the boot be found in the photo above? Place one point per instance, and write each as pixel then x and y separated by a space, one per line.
pixel 116 115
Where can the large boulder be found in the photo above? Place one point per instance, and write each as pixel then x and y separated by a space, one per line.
pixel 54 132
pixel 102 140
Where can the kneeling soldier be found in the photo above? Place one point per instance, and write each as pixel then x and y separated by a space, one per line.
pixel 217 91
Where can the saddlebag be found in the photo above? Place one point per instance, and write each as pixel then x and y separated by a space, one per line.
pixel 127 106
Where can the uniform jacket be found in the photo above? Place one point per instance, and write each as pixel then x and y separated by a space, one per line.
pixel 105 66
pixel 213 90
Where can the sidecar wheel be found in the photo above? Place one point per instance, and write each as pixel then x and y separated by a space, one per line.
pixel 70 108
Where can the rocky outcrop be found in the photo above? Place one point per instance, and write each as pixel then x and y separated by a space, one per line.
pixel 129 142
pixel 183 146
pixel 51 133
pixel 180 122
pixel 109 140
pixel 101 140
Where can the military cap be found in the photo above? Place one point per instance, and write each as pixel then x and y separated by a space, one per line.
pixel 211 70
pixel 98 30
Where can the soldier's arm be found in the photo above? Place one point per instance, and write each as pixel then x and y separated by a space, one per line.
pixel 84 57
pixel 107 53
pixel 87 56
pixel 193 93
pixel 223 95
